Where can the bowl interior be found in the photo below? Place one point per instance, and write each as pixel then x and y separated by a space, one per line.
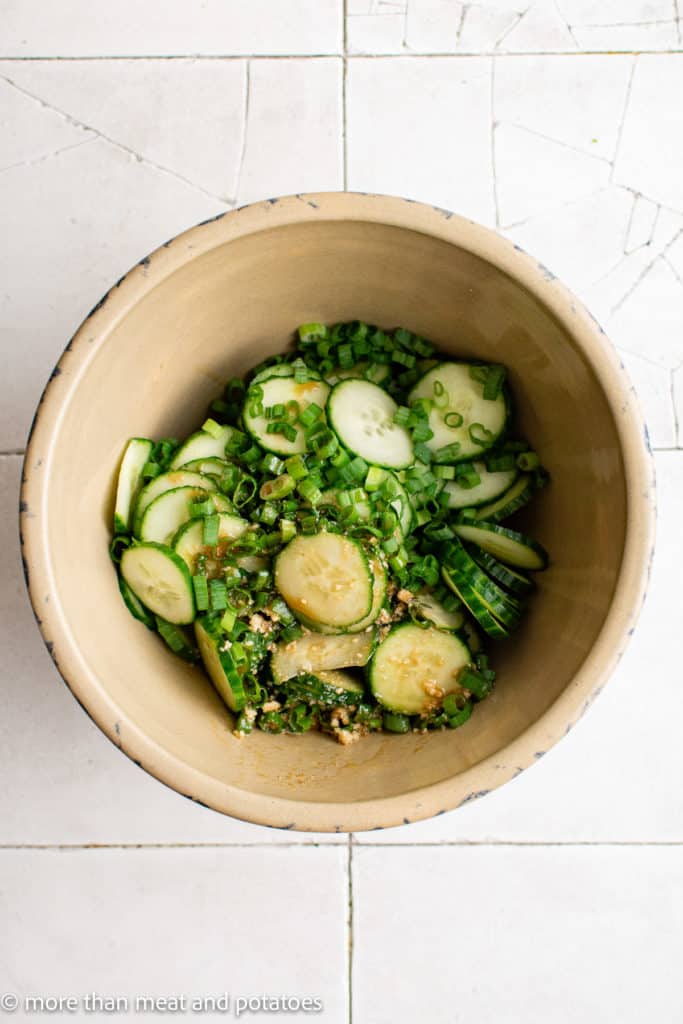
pixel 214 317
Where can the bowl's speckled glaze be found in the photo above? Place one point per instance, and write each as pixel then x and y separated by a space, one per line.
pixel 208 305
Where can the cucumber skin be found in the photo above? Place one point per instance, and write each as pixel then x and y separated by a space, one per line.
pixel 503 575
pixel 123 524
pixel 141 613
pixel 476 608
pixel 236 698
pixel 522 499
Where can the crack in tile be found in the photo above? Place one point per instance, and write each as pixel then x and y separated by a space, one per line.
pixel 563 18
pixel 552 210
pixel 74 122
pixel 461 24
pixel 510 28
pixel 622 121
pixel 643 274
pixel 245 128
pixel 677 18
pixel 674 405
pixel 49 156
pixel 556 142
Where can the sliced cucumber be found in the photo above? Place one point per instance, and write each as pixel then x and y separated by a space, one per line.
pixel 464 395
pixel 468 577
pixel 214 648
pixel 509 546
pixel 188 541
pixel 313 653
pixel 477 608
pixel 202 446
pixel 164 516
pixel 491 486
pixel 377 373
pixel 414 668
pixel 280 391
pixel 212 466
pixel 136 455
pixel 379 594
pixel 505 575
pixel 515 497
pixel 168 482
pixel 331 689
pixel 326 578
pixel 362 416
pixel 134 606
pixel 160 580
pixel 426 606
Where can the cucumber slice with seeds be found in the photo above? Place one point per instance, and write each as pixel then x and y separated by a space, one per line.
pixel 379 594
pixel 414 668
pixel 465 396
pixel 136 455
pixel 168 482
pixel 202 446
pixel 326 578
pixel 280 391
pixel 492 485
pixel 515 497
pixel 189 543
pixel 362 416
pixel 160 580
pixel 214 649
pixel 507 545
pixel 313 653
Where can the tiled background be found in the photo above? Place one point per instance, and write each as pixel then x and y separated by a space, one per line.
pixel 557 899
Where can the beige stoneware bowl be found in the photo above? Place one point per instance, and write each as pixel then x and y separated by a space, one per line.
pixel 208 305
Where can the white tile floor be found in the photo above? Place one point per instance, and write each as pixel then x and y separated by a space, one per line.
pixel 557 899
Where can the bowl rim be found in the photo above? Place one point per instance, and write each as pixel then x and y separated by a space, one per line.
pixel 627 599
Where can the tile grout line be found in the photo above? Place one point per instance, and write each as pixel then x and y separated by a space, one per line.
pixel 350 844
pixel 345 69
pixel 349 925
pixel 399 54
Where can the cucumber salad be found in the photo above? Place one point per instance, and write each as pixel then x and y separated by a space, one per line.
pixel 330 544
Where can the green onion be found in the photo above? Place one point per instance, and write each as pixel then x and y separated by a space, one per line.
pixel 480 435
pixel 301 374
pixel 229 618
pixel 292 410
pixel 495 379
pixel 468 479
pixel 252 454
pixel 475 683
pixel 444 472
pixel 309 492
pixel 399 561
pixel 268 514
pixel 448 452
pixel 422 432
pixel 201 592
pixel 287 530
pixel 461 716
pixel 324 444
pixel 210 531
pixel 291 633
pixel 271 464
pixel 453 420
pixel 500 463
pixel 201 508
pixel 296 467
pixel 479 373
pixel 171 634
pixel 374 478
pixel 345 356
pixel 423 453
pixel 528 461
pixel 390 546
pixel 311 333
pixel 358 468
pixel 406 359
pixel 402 416
pixel 273 490
pixel 243 724
pixel 214 429
pixel 244 492
pixel 394 722
pixel 310 414
pixel 219 597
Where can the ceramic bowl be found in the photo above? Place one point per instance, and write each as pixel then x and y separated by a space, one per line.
pixel 211 303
